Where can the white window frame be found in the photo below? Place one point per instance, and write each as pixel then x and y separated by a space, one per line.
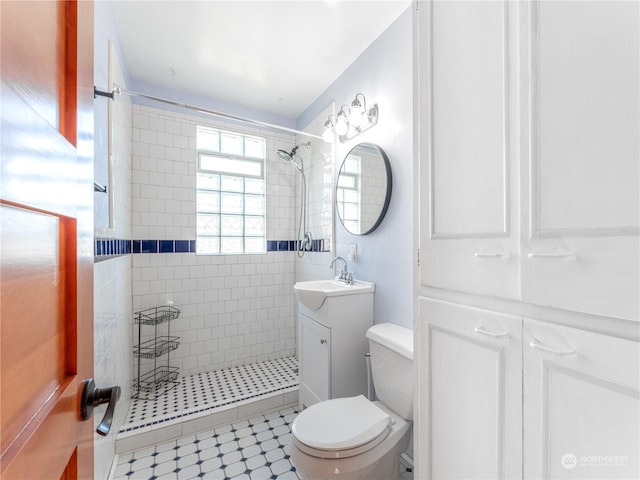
pixel 247 186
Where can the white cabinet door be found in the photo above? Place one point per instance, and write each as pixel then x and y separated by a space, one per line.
pixel 471 391
pixel 468 240
pixel 581 117
pixel 315 361
pixel 529 137
pixel 581 404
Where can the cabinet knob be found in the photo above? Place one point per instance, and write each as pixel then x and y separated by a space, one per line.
pixel 323 341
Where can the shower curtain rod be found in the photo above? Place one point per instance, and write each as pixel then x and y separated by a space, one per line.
pixel 118 90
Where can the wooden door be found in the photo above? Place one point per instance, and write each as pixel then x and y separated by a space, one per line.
pixel 581 404
pixel 46 209
pixel 471 391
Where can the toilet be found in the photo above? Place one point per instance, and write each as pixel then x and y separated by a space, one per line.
pixel 353 437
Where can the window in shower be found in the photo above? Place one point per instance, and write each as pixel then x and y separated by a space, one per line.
pixel 230 196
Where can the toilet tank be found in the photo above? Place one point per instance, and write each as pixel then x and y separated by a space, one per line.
pixel 391 348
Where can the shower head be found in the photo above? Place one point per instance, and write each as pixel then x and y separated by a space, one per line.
pixel 289 156
pixel 284 155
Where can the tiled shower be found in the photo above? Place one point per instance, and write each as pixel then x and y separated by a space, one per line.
pixel 236 310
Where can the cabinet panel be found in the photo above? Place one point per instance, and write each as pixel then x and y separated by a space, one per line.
pixel 469 97
pixel 581 248
pixel 581 404
pixel 472 384
pixel 466 148
pixel 315 342
pixel 586 117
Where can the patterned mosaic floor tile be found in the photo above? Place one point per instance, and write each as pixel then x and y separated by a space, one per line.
pixel 206 391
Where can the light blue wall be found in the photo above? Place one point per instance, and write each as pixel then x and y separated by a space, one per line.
pixel 383 73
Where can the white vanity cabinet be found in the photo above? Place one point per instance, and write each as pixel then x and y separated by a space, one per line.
pixel 315 360
pixel 332 347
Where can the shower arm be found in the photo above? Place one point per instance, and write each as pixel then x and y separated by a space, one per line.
pixel 119 90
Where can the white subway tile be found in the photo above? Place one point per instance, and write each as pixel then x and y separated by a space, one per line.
pixel 156 151
pixel 156 123
pixel 223 292
pixel 172 126
pixel 140 149
pixel 165 139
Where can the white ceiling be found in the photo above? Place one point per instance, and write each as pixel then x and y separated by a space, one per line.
pixel 274 56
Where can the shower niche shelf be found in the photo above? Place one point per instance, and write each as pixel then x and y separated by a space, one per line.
pixel 154 373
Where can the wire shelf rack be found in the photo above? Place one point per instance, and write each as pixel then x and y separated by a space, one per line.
pixel 154 373
pixel 156 347
pixel 156 382
pixel 157 315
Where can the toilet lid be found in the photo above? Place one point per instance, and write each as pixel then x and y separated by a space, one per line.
pixel 341 423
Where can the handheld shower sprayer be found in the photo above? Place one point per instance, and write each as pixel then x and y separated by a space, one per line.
pixel 305 240
pixel 292 156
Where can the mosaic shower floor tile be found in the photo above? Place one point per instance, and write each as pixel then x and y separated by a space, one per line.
pixel 210 390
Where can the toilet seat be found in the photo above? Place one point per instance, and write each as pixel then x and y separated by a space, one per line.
pixel 340 428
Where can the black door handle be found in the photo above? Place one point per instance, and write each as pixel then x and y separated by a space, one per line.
pixel 92 397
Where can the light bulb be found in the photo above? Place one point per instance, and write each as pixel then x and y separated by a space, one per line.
pixel 355 118
pixel 357 111
pixel 342 121
pixel 329 129
pixel 327 136
pixel 341 127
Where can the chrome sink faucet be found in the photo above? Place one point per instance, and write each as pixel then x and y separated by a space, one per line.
pixel 344 275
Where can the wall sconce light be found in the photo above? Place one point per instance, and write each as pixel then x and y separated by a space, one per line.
pixel 329 131
pixel 350 121
pixel 342 121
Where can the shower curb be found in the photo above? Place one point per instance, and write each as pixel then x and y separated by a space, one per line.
pixel 189 424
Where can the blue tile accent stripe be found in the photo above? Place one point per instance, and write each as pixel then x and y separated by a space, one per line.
pixel 321 245
pixel 106 248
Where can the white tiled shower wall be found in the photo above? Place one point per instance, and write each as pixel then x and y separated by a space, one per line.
pixel 319 169
pixel 235 309
pixel 112 277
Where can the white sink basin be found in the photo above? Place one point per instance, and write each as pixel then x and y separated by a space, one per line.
pixel 313 293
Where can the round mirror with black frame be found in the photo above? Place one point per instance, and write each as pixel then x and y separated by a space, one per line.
pixel 363 189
